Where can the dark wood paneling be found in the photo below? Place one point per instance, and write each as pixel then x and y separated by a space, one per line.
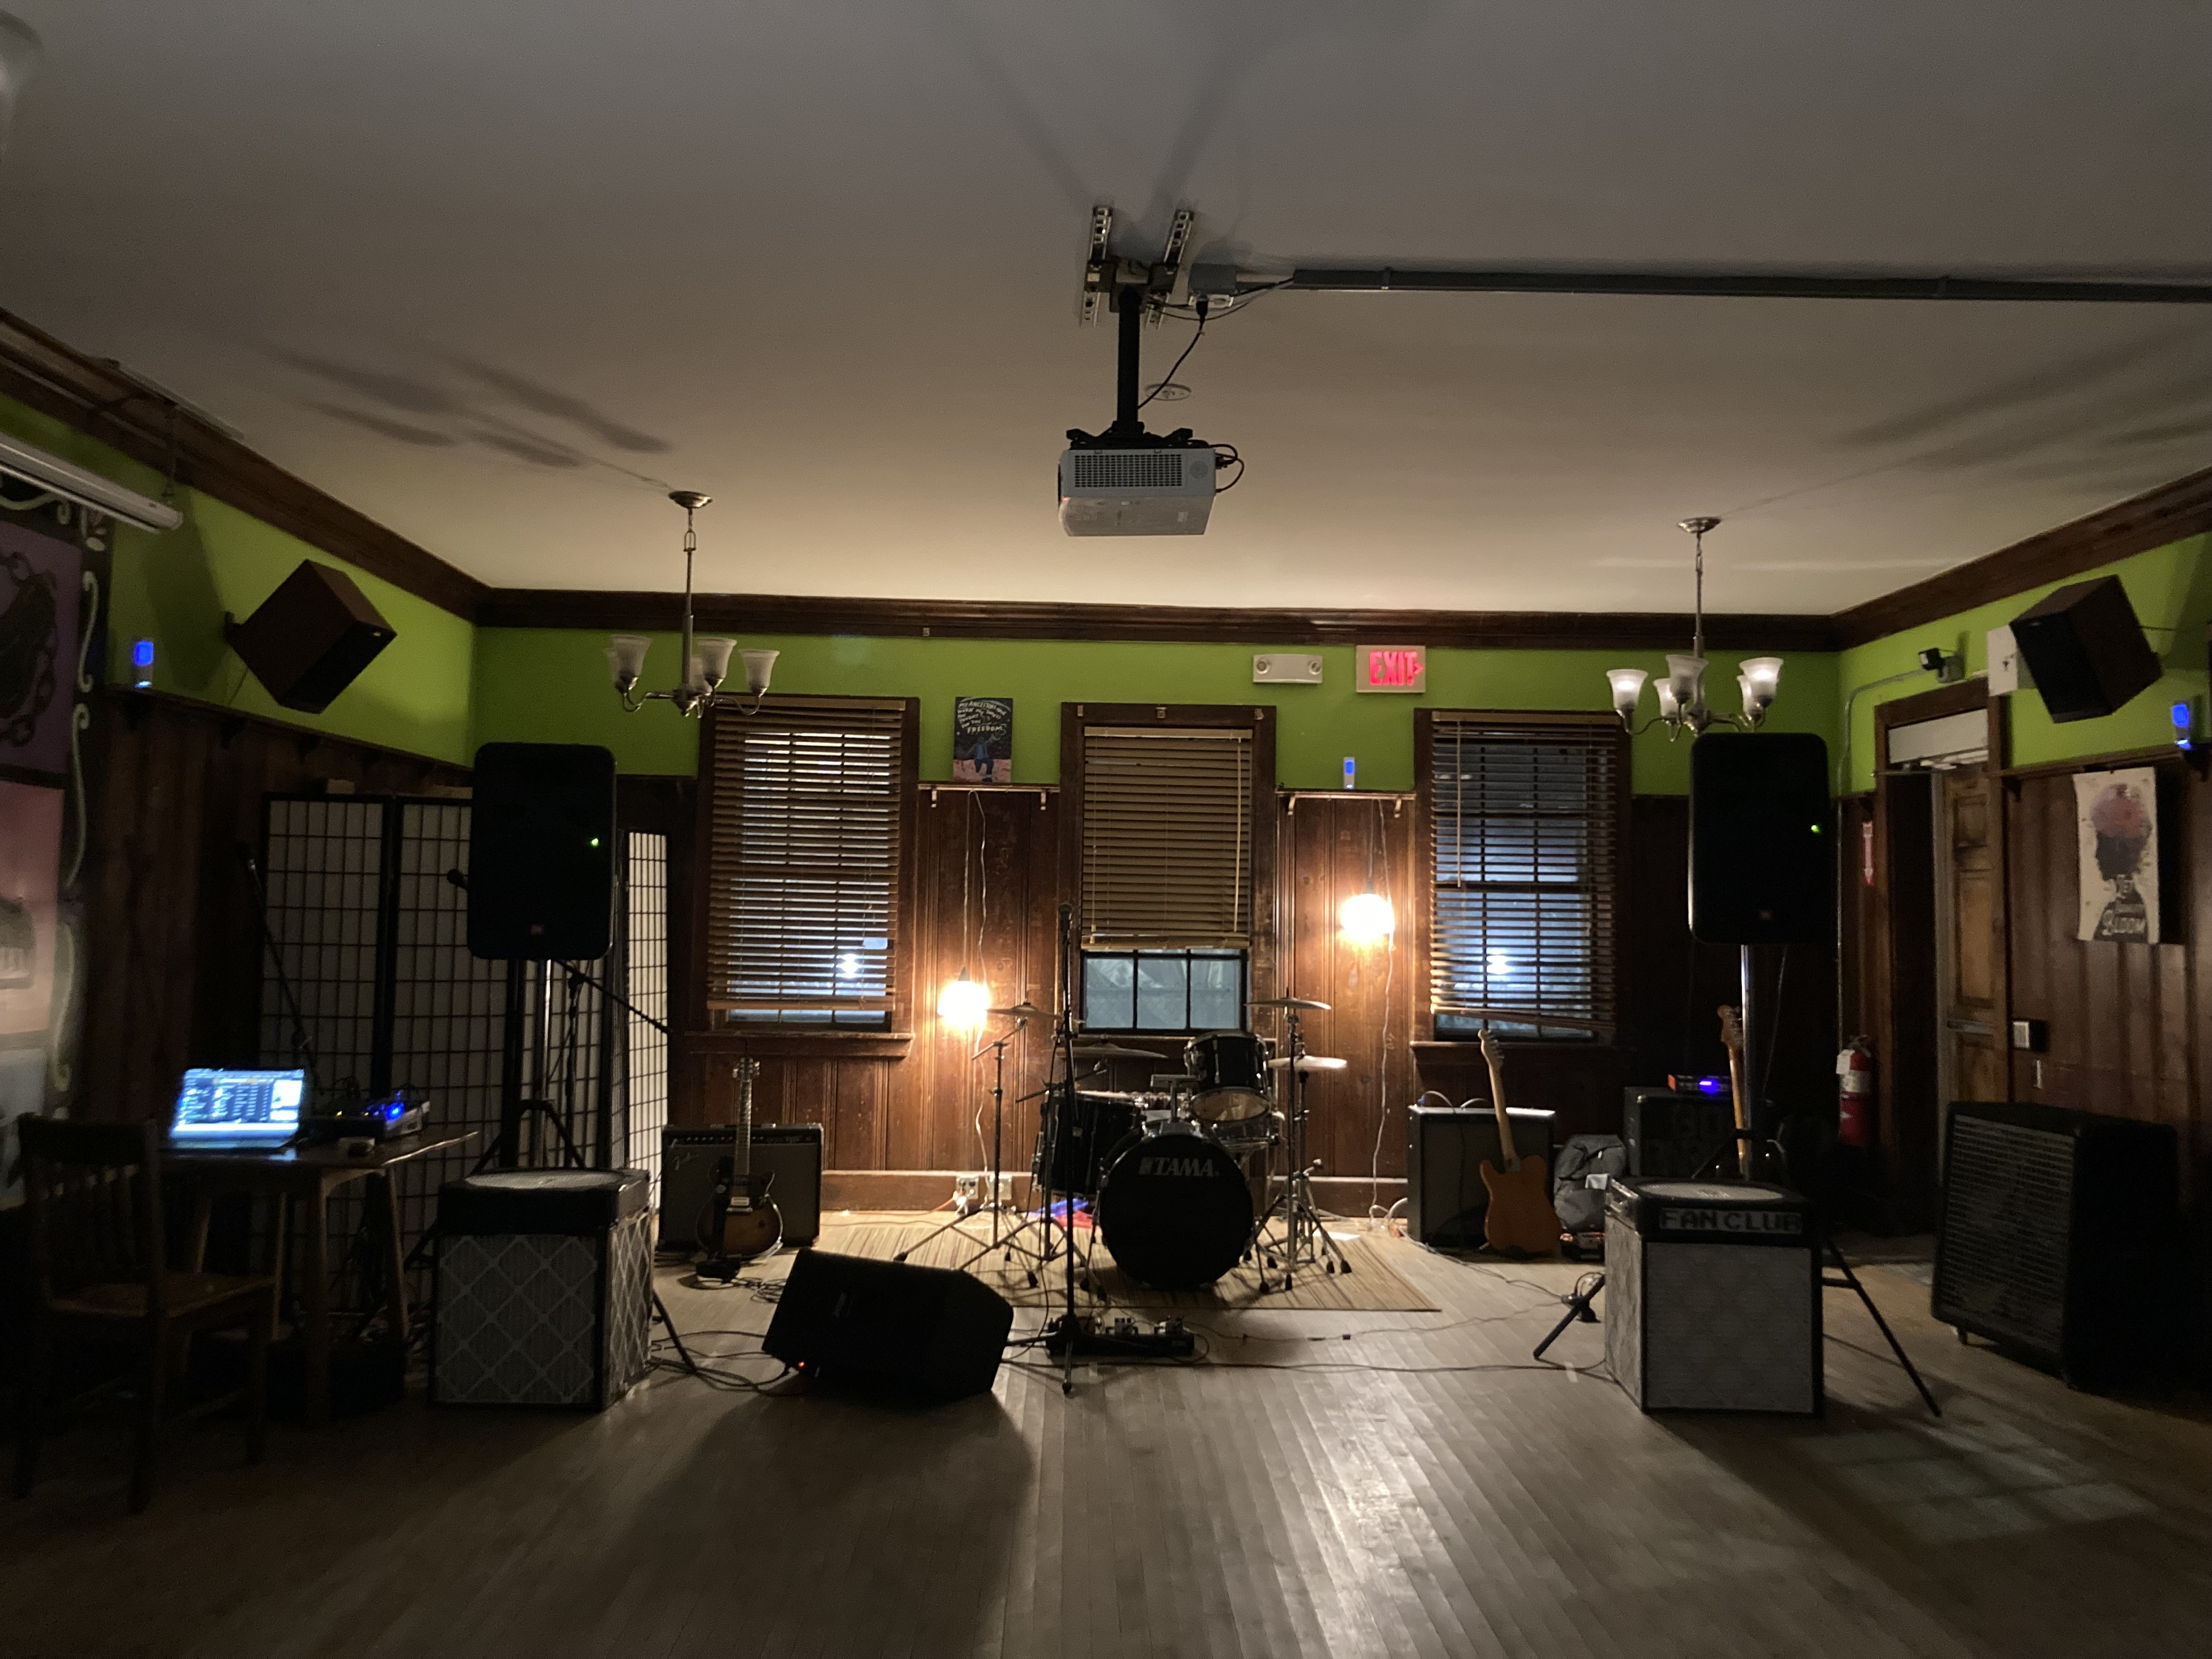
pixel 2168 513
pixel 599 610
pixel 98 399
pixel 174 944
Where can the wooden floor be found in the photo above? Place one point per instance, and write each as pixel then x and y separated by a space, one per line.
pixel 1326 1484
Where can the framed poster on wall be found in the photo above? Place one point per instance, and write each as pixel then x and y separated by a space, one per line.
pixel 983 740
pixel 2115 827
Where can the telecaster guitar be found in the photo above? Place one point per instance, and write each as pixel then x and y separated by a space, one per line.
pixel 750 1224
pixel 1521 1218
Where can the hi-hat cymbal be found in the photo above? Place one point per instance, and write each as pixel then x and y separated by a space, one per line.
pixel 1112 1051
pixel 1292 1002
pixel 1022 1010
pixel 1307 1063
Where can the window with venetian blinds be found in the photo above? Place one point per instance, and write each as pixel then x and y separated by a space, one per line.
pixel 803 863
pixel 1526 828
pixel 1167 836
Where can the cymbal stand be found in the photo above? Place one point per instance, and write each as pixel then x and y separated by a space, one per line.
pixel 1306 1242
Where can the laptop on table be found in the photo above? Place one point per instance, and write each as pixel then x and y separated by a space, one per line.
pixel 226 1109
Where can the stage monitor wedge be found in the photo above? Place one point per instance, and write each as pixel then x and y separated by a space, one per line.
pixel 2084 648
pixel 541 852
pixel 1762 840
pixel 311 638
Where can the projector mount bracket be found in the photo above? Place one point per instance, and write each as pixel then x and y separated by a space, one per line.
pixel 1137 293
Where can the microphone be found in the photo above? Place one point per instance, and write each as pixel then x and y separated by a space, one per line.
pixel 458 879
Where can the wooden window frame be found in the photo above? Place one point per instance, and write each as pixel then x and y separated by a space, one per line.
pixel 1256 717
pixel 1424 832
pixel 897 1030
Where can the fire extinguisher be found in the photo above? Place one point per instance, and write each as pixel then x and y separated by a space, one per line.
pixel 1854 1096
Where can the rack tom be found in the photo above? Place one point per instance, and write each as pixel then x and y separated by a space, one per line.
pixel 1228 1072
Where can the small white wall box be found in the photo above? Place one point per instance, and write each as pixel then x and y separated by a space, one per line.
pixel 1286 668
pixel 2007 672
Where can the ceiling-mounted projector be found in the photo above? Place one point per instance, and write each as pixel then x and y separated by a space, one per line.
pixel 1126 481
pixel 1164 488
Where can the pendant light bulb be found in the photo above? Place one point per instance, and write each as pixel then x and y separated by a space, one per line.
pixel 1366 919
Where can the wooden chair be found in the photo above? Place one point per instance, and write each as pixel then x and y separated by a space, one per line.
pixel 92 1195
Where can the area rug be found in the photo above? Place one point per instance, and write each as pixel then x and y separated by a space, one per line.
pixel 1372 1285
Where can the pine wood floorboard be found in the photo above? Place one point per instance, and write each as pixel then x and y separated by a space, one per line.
pixel 1418 1492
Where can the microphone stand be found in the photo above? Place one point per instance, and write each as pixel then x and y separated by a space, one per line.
pixel 997 1050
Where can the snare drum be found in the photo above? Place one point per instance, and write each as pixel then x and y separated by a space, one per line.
pixel 1093 1126
pixel 1230 1076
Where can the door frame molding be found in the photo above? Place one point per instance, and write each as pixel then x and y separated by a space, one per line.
pixel 1905 1195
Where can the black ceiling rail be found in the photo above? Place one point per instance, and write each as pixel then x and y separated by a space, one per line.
pixel 1775 286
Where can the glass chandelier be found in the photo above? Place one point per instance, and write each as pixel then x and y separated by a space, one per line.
pixel 1682 693
pixel 706 662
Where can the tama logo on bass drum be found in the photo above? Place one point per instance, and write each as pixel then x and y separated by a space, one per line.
pixel 1180 1169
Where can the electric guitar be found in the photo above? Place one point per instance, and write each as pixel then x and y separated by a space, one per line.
pixel 1521 1218
pixel 744 1224
pixel 1758 1160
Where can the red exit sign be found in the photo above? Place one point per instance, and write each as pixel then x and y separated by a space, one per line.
pixel 1392 667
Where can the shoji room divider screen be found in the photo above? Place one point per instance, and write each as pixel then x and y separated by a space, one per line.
pixel 374 939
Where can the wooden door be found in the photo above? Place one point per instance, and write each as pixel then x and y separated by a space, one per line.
pixel 1971 977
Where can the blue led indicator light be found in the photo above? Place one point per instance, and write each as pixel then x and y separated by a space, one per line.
pixel 142 658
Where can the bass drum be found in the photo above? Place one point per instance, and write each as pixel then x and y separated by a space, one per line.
pixel 1175 1211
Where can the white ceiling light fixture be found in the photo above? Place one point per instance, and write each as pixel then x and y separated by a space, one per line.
pixel 19 51
pixel 1682 694
pixel 30 464
pixel 705 662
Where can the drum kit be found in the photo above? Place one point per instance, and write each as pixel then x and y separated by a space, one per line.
pixel 1169 1170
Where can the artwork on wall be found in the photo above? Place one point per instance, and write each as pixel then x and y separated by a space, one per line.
pixel 38 605
pixel 30 859
pixel 2116 824
pixel 983 740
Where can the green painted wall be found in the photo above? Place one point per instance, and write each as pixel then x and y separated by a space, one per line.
pixel 2171 588
pixel 551 685
pixel 174 588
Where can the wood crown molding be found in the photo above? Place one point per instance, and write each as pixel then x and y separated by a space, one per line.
pixel 616 610
pixel 105 402
pixel 2167 513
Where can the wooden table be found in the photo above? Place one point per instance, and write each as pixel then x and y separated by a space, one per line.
pixel 310 1175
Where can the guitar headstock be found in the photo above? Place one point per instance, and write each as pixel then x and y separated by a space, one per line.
pixel 746 1069
pixel 1731 1030
pixel 1492 1050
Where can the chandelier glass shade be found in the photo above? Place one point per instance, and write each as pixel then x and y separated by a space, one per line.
pixel 706 661
pixel 1681 694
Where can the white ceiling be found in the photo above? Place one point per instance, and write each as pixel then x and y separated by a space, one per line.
pixel 497 274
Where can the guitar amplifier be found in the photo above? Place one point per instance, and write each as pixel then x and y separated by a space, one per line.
pixel 2060 1239
pixel 1446 1146
pixel 544 1288
pixel 1673 1134
pixel 1712 1296
pixel 791 1152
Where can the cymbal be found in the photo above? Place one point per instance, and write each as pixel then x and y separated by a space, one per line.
pixel 1292 1002
pixel 1022 1010
pixel 1111 1051
pixel 1307 1063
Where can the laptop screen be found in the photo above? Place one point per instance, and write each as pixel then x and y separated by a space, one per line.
pixel 259 1107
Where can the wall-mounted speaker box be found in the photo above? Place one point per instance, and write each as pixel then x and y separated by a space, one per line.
pixel 544 1288
pixel 1446 1146
pixel 1712 1296
pixel 311 638
pixel 541 852
pixel 2085 649
pixel 2061 1233
pixel 1762 842
pixel 1675 1134
pixel 791 1152
pixel 849 1318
